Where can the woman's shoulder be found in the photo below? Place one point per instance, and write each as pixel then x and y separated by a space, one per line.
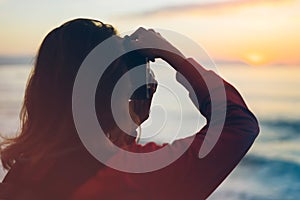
pixel 53 177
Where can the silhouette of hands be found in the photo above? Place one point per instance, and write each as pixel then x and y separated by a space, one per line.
pixel 142 38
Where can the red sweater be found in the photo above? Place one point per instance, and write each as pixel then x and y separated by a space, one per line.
pixel 78 176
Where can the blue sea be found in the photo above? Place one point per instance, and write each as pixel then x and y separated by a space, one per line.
pixel 271 169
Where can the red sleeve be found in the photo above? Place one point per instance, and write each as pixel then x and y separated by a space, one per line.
pixel 189 177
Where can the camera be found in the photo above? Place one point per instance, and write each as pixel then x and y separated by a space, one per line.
pixel 133 59
pixel 136 59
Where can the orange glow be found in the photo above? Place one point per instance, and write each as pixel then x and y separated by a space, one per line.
pixel 256 32
pixel 256 59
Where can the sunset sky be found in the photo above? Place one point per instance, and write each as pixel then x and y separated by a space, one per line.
pixel 252 31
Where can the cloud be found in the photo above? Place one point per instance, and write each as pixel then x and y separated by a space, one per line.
pixel 209 8
pixel 247 27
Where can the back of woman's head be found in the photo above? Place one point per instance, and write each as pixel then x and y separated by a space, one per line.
pixel 46 112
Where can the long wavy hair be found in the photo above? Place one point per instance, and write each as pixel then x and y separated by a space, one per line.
pixel 46 116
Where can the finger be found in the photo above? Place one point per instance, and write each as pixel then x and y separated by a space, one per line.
pixel 126 37
pixel 152 30
pixel 137 33
pixel 126 42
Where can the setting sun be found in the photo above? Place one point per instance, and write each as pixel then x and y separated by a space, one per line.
pixel 256 59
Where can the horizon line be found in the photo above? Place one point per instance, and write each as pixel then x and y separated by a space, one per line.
pixel 30 59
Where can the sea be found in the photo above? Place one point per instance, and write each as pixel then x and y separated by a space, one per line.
pixel 270 170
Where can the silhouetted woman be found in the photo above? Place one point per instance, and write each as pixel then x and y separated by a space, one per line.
pixel 47 160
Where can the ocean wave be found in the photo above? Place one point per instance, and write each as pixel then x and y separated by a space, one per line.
pixel 279 130
pixel 235 195
pixel 293 125
pixel 257 161
pixel 260 178
pixel 274 173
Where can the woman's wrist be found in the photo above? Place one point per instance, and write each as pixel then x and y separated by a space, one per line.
pixel 173 58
